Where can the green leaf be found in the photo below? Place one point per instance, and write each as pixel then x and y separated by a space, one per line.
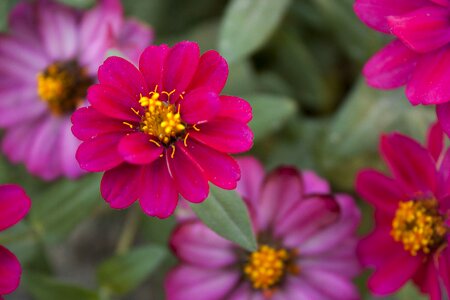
pixel 63 205
pixel 78 3
pixel 123 273
pixel 5 7
pixel 45 288
pixel 226 214
pixel 248 24
pixel 270 112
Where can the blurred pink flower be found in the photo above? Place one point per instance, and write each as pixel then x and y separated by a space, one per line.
pixel 419 57
pixel 14 205
pixel 410 238
pixel 162 129
pixel 47 61
pixel 306 240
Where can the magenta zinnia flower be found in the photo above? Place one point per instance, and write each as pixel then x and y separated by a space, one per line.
pixel 306 241
pixel 47 61
pixel 410 238
pixel 162 129
pixel 14 205
pixel 419 57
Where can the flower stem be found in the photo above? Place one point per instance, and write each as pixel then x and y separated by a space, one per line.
pixel 129 231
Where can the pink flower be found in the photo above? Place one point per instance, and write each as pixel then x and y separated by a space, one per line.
pixel 14 205
pixel 47 61
pixel 410 238
pixel 306 241
pixel 162 129
pixel 419 57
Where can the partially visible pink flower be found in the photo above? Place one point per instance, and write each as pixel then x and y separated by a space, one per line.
pixel 163 129
pixel 14 205
pixel 47 61
pixel 410 238
pixel 419 57
pixel 306 241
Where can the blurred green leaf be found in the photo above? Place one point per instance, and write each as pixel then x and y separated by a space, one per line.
pixel 408 292
pixel 226 214
pixel 248 24
pixel 78 3
pixel 21 240
pixel 242 79
pixel 270 112
pixel 123 273
pixel 45 288
pixel 5 7
pixel 59 208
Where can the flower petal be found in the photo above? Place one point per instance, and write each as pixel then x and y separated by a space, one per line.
pixel 212 72
pixel 10 271
pixel 199 105
pixel 189 282
pixel 132 38
pixel 332 284
pixel 314 184
pixel 435 140
pixel 391 67
pixel 187 174
pixel 196 244
pixel 443 115
pixel 423 30
pixel 252 175
pixel 70 166
pixel 120 186
pixel 235 108
pixel 430 80
pixel 159 195
pixel 136 148
pixel 219 168
pixel 100 154
pixel 151 64
pixel 121 74
pixel 180 67
pixel 224 135
pixel 14 205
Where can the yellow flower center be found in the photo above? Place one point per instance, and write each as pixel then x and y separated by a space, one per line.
pixel 161 119
pixel 266 267
pixel 63 86
pixel 419 226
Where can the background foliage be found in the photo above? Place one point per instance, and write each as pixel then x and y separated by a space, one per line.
pixel 298 63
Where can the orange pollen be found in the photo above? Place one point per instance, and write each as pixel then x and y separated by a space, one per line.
pixel 266 267
pixel 419 226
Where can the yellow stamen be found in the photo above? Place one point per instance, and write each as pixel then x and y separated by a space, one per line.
pixel 128 124
pixel 155 142
pixel 195 128
pixel 419 226
pixel 173 151
pixel 185 139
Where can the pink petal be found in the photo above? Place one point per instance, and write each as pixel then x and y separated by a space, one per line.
pixel 212 72
pixel 444 180
pixel 24 52
pixel 398 268
pixel 443 115
pixel 58 29
pixel 14 205
pixel 379 190
pixel 114 103
pixel 132 38
pixel 22 97
pixel 314 184
pixel 332 284
pixel 70 166
pixel 12 147
pixel 429 83
pixel 121 74
pixel 244 291
pixel 281 192
pixel 159 195
pixel 180 67
pixel 219 168
pixel 444 269
pixel 391 67
pixel 442 2
pixel 189 282
pixel 136 148
pixel 151 64
pixel 428 281
pixel 89 123
pixel 435 140
pixel 423 30
pixel 410 163
pixel 187 174
pixel 374 12
pixel 120 186
pixel 300 289
pixel 252 175
pixel 100 154
pixel 22 22
pixel 196 244
pixel 199 105
pixel 10 271
pixel 235 108
pixel 224 135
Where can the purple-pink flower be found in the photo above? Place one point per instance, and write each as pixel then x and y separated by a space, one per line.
pixel 306 239
pixel 162 130
pixel 419 57
pixel 14 205
pixel 47 61
pixel 410 238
